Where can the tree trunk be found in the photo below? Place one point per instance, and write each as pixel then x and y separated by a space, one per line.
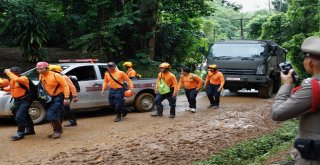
pixel 153 28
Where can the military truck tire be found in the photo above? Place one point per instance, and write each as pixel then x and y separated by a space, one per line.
pixel 276 83
pixel 266 91
pixel 144 102
pixel 37 112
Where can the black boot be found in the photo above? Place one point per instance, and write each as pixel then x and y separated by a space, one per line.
pixel 54 130
pixel 29 131
pixel 20 133
pixel 158 112
pixel 172 113
pixel 118 118
pixel 58 129
pixel 17 136
pixel 124 112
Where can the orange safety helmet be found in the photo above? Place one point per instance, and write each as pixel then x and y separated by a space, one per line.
pixel 127 64
pixel 4 82
pixel 213 66
pixel 165 65
pixel 128 93
pixel 55 68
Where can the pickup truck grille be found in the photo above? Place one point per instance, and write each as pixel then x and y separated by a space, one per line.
pixel 238 71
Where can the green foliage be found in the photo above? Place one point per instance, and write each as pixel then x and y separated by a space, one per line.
pixel 276 28
pixel 254 26
pixel 224 24
pixel 257 149
pixel 291 28
pixel 27 23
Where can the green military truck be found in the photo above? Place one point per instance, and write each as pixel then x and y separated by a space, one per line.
pixel 250 64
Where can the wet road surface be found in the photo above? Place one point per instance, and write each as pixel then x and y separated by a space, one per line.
pixel 141 139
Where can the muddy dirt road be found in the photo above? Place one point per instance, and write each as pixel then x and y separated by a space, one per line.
pixel 141 139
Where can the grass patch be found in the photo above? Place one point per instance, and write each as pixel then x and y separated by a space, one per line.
pixel 257 150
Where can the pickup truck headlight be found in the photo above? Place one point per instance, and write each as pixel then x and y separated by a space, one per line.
pixel 261 70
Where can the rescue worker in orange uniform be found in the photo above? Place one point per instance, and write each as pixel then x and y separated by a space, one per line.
pixel 21 104
pixel 115 79
pixel 132 74
pixel 192 84
pixel 67 111
pixel 57 87
pixel 4 83
pixel 171 81
pixel 214 84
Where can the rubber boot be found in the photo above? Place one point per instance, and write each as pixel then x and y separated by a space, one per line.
pixel 54 130
pixel 172 113
pixel 29 131
pixel 58 129
pixel 29 127
pixel 124 112
pixel 20 133
pixel 118 118
pixel 158 112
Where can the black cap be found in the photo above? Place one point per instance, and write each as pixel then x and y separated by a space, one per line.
pixel 186 69
pixel 111 64
pixel 16 70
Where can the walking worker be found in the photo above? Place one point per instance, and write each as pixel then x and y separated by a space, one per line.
pixel 58 90
pixel 192 84
pixel 303 102
pixel 67 111
pixel 214 84
pixel 115 79
pixel 132 74
pixel 19 86
pixel 166 88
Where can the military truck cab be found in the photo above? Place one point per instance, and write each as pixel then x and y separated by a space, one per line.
pixel 250 64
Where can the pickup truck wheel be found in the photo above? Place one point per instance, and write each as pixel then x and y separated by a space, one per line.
pixel 37 112
pixel 144 102
pixel 266 91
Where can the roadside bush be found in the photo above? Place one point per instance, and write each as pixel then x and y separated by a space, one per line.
pixel 257 149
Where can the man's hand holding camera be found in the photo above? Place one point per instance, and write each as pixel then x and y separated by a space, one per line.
pixel 287 78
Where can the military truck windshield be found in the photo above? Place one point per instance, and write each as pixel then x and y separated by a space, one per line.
pixel 237 50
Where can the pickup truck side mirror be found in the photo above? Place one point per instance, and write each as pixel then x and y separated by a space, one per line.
pixel 73 76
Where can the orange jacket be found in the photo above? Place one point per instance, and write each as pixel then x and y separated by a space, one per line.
pixel 169 79
pixel 215 78
pixel 119 76
pixel 15 89
pixel 131 72
pixel 190 81
pixel 51 80
pixel 72 88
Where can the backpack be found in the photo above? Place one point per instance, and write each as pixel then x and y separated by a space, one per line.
pixel 75 82
pixel 31 93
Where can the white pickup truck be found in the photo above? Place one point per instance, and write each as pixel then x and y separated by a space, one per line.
pixel 90 78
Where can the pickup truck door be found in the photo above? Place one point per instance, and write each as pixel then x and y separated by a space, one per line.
pixel 89 96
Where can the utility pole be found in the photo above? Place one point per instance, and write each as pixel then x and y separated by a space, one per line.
pixel 214 34
pixel 269 5
pixel 280 6
pixel 241 28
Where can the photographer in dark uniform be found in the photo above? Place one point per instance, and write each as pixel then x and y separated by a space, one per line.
pixel 304 104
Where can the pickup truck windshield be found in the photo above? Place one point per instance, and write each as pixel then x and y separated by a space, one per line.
pixel 237 50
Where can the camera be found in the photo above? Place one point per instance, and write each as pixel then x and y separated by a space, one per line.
pixel 285 67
